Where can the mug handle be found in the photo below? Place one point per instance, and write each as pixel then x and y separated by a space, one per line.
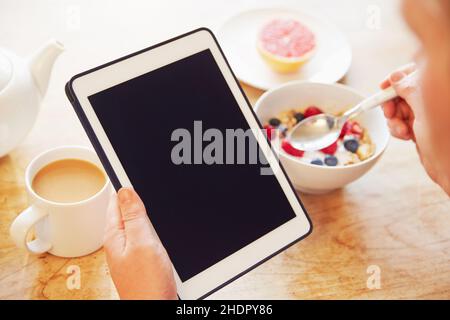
pixel 23 224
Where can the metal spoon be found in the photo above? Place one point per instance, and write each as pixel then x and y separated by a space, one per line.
pixel 318 132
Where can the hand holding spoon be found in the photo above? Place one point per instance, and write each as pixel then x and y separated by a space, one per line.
pixel 320 131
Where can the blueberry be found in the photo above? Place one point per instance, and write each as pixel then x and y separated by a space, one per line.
pixel 351 145
pixel 274 122
pixel 317 162
pixel 299 117
pixel 331 161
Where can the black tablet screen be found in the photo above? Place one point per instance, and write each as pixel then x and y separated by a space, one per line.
pixel 202 212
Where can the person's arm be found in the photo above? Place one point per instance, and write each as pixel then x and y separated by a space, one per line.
pixel 138 262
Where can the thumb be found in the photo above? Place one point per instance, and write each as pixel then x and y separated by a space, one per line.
pixel 134 216
pixel 408 87
pixel 405 85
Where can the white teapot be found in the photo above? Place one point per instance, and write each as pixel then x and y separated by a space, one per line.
pixel 23 83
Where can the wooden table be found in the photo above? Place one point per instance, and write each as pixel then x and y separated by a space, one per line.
pixel 394 217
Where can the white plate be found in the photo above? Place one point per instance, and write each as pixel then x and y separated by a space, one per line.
pixel 238 37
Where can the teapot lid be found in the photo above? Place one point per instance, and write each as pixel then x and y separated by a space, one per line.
pixel 5 70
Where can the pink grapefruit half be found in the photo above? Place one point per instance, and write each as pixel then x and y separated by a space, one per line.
pixel 286 44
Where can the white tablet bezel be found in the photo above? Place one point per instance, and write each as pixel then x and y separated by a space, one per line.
pixel 121 70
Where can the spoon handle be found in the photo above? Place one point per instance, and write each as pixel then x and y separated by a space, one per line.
pixel 372 102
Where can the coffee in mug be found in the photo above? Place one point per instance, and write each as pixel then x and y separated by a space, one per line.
pixel 68 180
pixel 69 195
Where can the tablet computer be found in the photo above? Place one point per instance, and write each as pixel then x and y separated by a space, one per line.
pixel 173 122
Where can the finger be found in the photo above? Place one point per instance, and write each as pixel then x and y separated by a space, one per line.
pixel 398 111
pixel 409 68
pixel 113 216
pixel 406 111
pixel 406 69
pixel 114 230
pixel 405 85
pixel 134 216
pixel 385 84
pixel 399 129
pixel 389 109
pixel 131 206
pixel 409 118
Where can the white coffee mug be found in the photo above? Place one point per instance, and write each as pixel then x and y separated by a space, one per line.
pixel 62 229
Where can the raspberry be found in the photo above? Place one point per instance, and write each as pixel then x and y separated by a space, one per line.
pixel 312 111
pixel 351 127
pixel 270 131
pixel 289 149
pixel 346 129
pixel 331 150
pixel 356 129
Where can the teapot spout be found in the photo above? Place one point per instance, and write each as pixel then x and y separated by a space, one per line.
pixel 41 63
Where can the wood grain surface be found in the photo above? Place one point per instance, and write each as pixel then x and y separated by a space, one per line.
pixel 394 217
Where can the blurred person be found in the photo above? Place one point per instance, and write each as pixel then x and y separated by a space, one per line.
pixel 422 113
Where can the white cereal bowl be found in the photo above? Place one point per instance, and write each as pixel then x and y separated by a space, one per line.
pixel 331 98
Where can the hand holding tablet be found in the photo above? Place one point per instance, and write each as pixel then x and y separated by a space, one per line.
pixel 139 265
pixel 216 210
